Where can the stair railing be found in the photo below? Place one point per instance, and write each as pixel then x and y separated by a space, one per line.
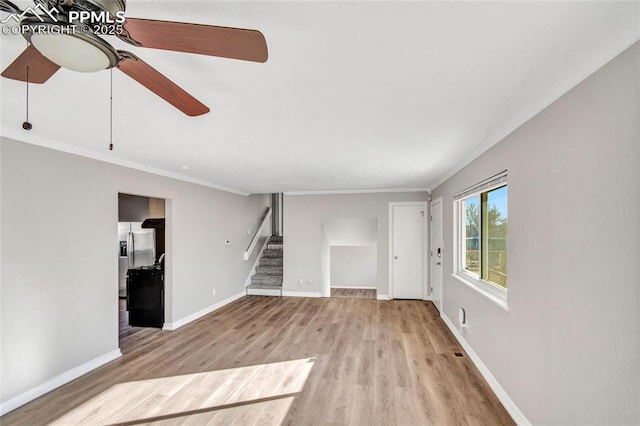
pixel 263 230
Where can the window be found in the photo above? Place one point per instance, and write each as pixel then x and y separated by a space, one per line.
pixel 481 225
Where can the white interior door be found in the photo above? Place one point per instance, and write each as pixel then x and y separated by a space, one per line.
pixel 437 255
pixel 407 251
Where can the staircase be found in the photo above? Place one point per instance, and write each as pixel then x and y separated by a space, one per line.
pixel 268 274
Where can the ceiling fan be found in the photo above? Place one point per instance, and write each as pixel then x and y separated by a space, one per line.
pixel 66 33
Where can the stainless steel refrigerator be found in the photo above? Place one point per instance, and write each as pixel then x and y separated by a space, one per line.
pixel 137 248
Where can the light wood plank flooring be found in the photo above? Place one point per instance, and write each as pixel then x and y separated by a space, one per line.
pixel 123 317
pixel 354 293
pixel 273 360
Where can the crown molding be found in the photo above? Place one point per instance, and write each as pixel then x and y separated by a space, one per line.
pixel 356 191
pixel 106 158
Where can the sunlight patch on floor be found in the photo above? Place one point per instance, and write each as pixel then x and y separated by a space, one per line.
pixel 254 394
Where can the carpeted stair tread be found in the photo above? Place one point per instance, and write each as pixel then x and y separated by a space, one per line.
pixel 272 253
pixel 266 279
pixel 271 261
pixel 269 270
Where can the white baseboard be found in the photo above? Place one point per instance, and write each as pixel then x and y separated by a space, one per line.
pixel 383 297
pixel 502 395
pixel 354 288
pixel 302 293
pixel 57 381
pixel 263 292
pixel 202 312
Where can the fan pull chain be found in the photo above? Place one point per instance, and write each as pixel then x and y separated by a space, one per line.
pixel 111 110
pixel 26 125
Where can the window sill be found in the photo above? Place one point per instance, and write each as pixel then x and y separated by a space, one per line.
pixel 502 303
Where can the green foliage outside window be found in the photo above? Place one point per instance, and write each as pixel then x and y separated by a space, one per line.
pixel 486 224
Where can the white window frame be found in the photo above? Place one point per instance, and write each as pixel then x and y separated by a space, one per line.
pixel 493 292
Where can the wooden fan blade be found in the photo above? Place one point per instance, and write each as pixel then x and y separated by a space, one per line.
pixel 234 43
pixel 40 68
pixel 144 74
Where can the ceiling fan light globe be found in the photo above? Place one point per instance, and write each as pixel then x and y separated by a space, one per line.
pixel 71 48
pixel 71 52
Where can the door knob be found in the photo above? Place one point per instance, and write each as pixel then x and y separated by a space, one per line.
pixel 395 257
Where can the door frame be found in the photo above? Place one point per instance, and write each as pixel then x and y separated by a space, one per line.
pixel 426 295
pixel 438 291
pixel 168 259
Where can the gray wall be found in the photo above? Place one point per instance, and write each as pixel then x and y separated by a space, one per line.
pixel 354 266
pixel 568 351
pixel 59 265
pixel 303 216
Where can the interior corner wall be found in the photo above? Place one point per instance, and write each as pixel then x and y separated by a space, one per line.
pixel 59 278
pixel 354 266
pixel 325 264
pixel 303 215
pixel 568 350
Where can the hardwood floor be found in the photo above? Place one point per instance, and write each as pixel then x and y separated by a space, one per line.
pixel 283 360
pixel 123 317
pixel 354 293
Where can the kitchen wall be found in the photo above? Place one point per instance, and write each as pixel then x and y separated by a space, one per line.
pixel 59 256
pixel 568 350
pixel 303 233
pixel 133 208
pixel 156 208
pixel 354 266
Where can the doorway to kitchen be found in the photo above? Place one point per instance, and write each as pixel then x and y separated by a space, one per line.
pixel 141 255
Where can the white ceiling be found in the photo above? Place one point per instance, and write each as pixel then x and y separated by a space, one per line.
pixel 354 96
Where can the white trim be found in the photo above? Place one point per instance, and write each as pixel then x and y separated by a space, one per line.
pixel 256 263
pixel 383 297
pixel 264 292
pixel 109 158
pixel 57 381
pixel 202 312
pixel 425 239
pixel 483 287
pixel 354 288
pixel 302 293
pixel 495 181
pixel 356 191
pixel 438 200
pixel 492 292
pixel 617 43
pixel 511 407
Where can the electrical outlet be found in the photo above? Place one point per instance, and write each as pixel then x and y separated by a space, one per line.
pixel 213 292
pixel 309 281
pixel 299 282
